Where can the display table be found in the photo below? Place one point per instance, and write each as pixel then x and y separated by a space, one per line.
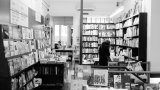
pixel 99 88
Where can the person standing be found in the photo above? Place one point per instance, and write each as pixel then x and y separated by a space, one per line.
pixel 104 53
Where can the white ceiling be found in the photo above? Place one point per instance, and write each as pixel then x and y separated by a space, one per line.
pixel 69 7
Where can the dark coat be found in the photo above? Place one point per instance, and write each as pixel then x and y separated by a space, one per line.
pixel 104 54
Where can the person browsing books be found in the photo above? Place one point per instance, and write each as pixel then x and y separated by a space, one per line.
pixel 104 53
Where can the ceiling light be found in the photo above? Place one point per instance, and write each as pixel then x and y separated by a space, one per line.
pixel 86 9
pixel 85 13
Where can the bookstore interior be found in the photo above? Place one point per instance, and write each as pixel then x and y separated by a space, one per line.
pixel 79 45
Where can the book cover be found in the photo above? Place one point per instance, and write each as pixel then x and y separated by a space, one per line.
pixel 100 77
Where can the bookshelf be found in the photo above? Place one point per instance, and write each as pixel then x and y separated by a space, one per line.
pixel 129 36
pixel 95 31
pixel 133 43
pixel 22 44
pixel 21 56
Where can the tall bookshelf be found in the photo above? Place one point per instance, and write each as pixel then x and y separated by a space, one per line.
pixel 128 37
pixel 133 41
pixel 22 45
pixel 95 31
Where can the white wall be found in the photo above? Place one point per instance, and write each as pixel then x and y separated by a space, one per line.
pixel 76 28
pixel 154 44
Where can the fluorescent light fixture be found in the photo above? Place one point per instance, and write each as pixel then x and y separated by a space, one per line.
pixel 86 9
pixel 120 9
pixel 85 13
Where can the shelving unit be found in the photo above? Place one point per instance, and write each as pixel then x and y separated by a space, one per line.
pixel 129 35
pixel 95 31
pixel 52 75
pixel 22 41
pixel 134 32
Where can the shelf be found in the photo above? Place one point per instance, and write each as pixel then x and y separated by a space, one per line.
pixel 91 29
pixel 107 37
pixel 98 23
pixel 16 56
pixel 110 44
pixel 90 35
pixel 105 29
pixel 128 18
pixel 41 38
pixel 126 46
pixel 17 74
pixel 129 26
pixel 133 37
pixel 16 39
pixel 43 48
pixel 27 83
pixel 89 41
pixel 131 58
pixel 89 53
pixel 90 47
pixel 119 37
pixel 57 86
pixel 60 50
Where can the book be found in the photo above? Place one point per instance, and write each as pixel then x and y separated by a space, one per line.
pixel 100 77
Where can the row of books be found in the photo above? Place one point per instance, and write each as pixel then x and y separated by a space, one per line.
pixel 99 26
pixel 90 38
pixel 128 23
pixel 97 20
pixel 132 43
pixel 13 48
pixel 23 79
pixel 124 52
pixel 119 41
pixel 43 53
pixel 89 50
pixel 89 56
pixel 119 33
pixel 27 33
pixel 132 31
pixel 90 26
pixel 106 34
pixel 109 26
pixel 119 25
pixel 101 40
pixel 136 21
pixel 134 11
pixel 88 44
pixel 18 64
pixel 42 43
pixel 54 70
pixel 128 42
pixel 15 32
pixel 90 32
pixel 39 33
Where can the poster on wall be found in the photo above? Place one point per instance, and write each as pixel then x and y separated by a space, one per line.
pixel 100 77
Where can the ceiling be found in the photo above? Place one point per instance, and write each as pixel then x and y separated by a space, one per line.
pixel 69 7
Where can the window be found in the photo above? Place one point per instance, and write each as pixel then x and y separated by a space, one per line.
pixel 61 34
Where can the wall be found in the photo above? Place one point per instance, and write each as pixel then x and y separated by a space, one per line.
pixel 76 29
pixel 154 36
